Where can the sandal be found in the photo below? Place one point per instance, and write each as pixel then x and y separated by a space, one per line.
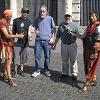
pixel 12 83
pixel 93 83
pixel 83 89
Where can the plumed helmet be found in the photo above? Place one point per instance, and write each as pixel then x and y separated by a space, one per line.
pixel 7 13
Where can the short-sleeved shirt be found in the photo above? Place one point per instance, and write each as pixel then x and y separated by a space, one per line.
pixel 45 27
pixel 63 33
pixel 21 26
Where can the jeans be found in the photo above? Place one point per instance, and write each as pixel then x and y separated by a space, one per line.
pixel 46 47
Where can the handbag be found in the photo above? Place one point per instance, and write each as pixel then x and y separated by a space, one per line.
pixel 10 43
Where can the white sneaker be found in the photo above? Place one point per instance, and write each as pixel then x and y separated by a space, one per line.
pixel 35 74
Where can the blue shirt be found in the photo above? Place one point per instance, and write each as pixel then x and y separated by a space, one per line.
pixel 45 27
pixel 63 33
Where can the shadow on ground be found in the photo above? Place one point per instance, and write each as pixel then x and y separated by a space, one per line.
pixel 56 77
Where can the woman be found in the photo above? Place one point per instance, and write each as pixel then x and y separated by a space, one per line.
pixel 91 51
pixel 6 41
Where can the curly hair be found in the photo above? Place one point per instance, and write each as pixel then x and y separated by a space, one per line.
pixel 94 12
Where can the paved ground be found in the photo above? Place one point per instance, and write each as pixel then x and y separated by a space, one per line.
pixel 54 88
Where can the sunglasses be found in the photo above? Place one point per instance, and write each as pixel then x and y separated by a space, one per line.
pixel 25 12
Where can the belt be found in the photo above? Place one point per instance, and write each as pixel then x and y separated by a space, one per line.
pixel 68 43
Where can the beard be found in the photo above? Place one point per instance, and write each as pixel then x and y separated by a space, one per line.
pixel 68 21
pixel 43 17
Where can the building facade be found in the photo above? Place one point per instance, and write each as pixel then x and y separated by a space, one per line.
pixel 56 8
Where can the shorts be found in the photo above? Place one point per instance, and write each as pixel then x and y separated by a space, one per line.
pixel 20 55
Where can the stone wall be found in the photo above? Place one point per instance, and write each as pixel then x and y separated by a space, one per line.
pixel 60 11
pixel 19 6
pixel 75 11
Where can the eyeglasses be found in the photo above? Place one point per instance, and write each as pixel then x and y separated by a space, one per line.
pixel 43 11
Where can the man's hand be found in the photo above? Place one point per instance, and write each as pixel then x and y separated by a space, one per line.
pixel 37 32
pixel 31 30
pixel 54 46
pixel 21 36
pixel 30 38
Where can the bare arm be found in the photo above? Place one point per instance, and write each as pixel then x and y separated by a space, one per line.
pixel 55 43
pixel 8 36
pixel 31 30
pixel 54 31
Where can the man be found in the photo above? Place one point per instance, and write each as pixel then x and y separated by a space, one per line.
pixel 21 25
pixel 44 25
pixel 68 46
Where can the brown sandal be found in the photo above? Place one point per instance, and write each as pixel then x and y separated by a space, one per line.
pixel 12 83
pixel 93 83
pixel 83 89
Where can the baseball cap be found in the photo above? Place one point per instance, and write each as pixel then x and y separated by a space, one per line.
pixel 26 10
pixel 68 14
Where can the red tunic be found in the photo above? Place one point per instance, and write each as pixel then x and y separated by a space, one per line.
pixel 91 54
pixel 3 39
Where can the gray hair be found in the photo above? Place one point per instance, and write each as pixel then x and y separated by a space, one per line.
pixel 45 7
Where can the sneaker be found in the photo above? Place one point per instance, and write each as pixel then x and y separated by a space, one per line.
pixel 22 73
pixel 74 78
pixel 14 74
pixel 47 73
pixel 35 74
pixel 64 76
